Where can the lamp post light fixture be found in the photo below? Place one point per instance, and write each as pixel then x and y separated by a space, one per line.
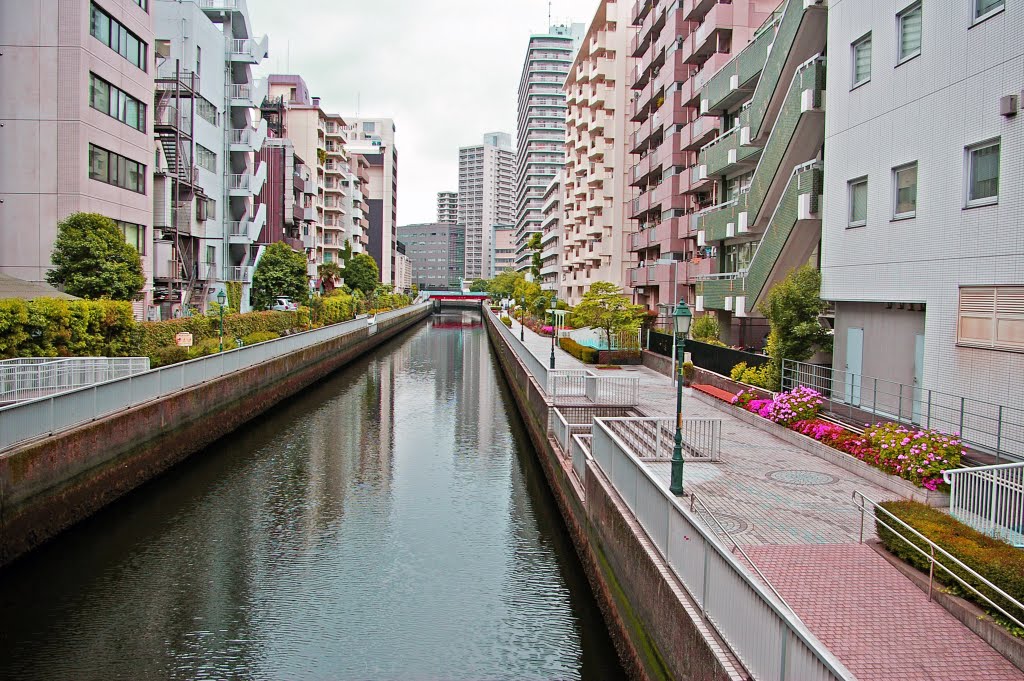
pixel 221 299
pixel 554 331
pixel 682 318
pixel 522 318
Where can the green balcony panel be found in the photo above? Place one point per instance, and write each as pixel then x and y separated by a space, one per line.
pixel 745 66
pixel 715 291
pixel 717 157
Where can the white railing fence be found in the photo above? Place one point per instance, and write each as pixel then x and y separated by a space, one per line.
pixel 613 390
pixel 654 437
pixel 27 378
pixel 533 365
pixel 990 499
pixel 580 452
pixel 45 416
pixel 758 627
pixel 567 384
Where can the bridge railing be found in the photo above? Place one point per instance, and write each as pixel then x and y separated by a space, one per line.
pixel 46 416
pixel 760 629
pixel 533 365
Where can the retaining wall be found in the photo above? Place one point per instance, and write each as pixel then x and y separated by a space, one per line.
pixel 646 609
pixel 50 484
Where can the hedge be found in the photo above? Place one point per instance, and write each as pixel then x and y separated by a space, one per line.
pixel 997 561
pixel 157 335
pixel 51 327
pixel 580 352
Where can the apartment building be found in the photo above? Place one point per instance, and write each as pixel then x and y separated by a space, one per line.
pixel 448 207
pixel 594 247
pixel 75 127
pixel 921 243
pixel 503 248
pixel 435 252
pixel 540 127
pixel 552 225
pixel 403 269
pixel 763 170
pixel 208 173
pixel 288 196
pixel 679 48
pixel 486 187
pixel 374 139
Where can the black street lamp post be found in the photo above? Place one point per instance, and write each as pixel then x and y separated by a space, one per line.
pixel 682 317
pixel 522 318
pixel 221 298
pixel 554 331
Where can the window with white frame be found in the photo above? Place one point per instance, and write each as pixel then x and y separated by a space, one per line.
pixel 983 8
pixel 905 191
pixel 861 51
pixel 206 158
pixel 910 32
pixel 991 317
pixel 983 173
pixel 858 198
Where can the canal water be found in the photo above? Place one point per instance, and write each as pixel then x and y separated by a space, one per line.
pixel 388 523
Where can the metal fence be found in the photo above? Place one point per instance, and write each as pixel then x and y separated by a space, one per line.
pixel 864 399
pixel 27 378
pixel 653 437
pixel 661 343
pixel 990 499
pixel 719 359
pixel 580 451
pixel 757 626
pixel 48 415
pixel 533 365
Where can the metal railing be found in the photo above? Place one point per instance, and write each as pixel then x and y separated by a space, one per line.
pixel 27 378
pixel 653 437
pixel 935 554
pixel 49 415
pixel 990 499
pixel 579 450
pixel 865 399
pixel 758 627
pixel 533 365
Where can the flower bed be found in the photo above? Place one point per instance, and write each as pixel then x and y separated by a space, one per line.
pixel 914 454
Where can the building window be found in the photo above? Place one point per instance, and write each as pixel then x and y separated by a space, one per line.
pixel 858 193
pixel 116 103
pixel 106 166
pixel 206 159
pixel 910 32
pixel 134 234
pixel 905 191
pixel 985 8
pixel 206 110
pixel 861 60
pixel 991 317
pixel 983 174
pixel 369 126
pixel 144 4
pixel 111 33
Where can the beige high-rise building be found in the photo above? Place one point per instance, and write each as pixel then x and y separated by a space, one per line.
pixel 552 225
pixel 76 137
pixel 485 197
pixel 595 184
pixel 374 139
pixel 448 207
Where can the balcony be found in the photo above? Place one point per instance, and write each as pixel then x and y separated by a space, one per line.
pixel 725 154
pixel 700 132
pixel 166 117
pixel 305 213
pixel 247 50
pixel 249 139
pixel 718 20
pixel 249 183
pixel 669 194
pixel 733 82
pixel 241 273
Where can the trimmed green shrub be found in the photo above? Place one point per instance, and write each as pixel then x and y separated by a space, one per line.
pixel 688 371
pixel 580 352
pixel 706 329
pixel 997 561
pixel 52 327
pixel 763 376
pixel 507 321
pixel 259 337
pixel 171 354
pixel 159 334
pixel 210 346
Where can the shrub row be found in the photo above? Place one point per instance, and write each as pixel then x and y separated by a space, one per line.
pixel 580 352
pixel 51 327
pixel 764 376
pixel 507 321
pixel 997 561
pixel 157 335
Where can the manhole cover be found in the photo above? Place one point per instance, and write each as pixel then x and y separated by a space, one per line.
pixel 802 477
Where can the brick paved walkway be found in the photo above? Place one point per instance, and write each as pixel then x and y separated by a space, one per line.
pixel 794 515
pixel 873 618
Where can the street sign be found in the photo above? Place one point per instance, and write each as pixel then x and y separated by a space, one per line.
pixel 183 339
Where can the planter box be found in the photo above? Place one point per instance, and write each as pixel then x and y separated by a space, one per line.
pixel 896 485
pixel 705 377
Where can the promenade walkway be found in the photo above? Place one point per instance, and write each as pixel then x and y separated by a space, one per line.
pixel 794 515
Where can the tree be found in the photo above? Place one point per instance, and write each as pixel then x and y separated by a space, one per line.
pixel 330 273
pixel 504 284
pixel 706 329
pixel 346 253
pixel 91 259
pixel 280 272
pixel 605 307
pixel 792 308
pixel 361 273
pixel 535 263
pixel 479 286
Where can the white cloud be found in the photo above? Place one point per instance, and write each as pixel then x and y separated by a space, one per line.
pixel 447 71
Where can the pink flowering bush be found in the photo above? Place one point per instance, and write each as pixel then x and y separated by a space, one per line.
pixel 798 404
pixel 744 398
pixel 915 454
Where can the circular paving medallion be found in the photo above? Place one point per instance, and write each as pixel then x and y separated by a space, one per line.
pixel 731 523
pixel 796 477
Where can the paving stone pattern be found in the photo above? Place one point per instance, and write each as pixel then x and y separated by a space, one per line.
pixel 794 515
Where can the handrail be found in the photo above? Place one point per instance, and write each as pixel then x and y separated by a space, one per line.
pixel 932 562
pixel 694 500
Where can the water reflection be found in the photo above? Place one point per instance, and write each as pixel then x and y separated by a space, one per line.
pixel 389 523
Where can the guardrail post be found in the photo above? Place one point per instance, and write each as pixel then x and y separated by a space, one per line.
pixel 999 432
pixel 931 572
pixel 960 434
pixel 992 506
pixel 928 419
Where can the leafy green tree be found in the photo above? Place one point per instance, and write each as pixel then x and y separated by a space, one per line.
pixel 706 329
pixel 91 259
pixel 361 273
pixel 479 286
pixel 346 253
pixel 792 308
pixel 504 284
pixel 535 263
pixel 605 307
pixel 280 272
pixel 330 273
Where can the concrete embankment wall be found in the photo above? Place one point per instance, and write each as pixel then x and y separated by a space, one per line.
pixel 655 631
pixel 49 484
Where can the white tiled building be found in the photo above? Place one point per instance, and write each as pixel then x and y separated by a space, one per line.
pixel 922 247
pixel 486 185
pixel 552 225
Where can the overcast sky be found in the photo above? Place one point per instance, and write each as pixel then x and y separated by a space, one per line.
pixel 447 71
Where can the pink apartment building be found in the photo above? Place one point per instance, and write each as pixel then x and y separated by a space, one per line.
pixel 676 48
pixel 76 127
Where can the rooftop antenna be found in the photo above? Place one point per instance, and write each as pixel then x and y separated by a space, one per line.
pixel 549 16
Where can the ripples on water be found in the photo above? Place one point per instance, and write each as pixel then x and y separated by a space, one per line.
pixel 388 524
